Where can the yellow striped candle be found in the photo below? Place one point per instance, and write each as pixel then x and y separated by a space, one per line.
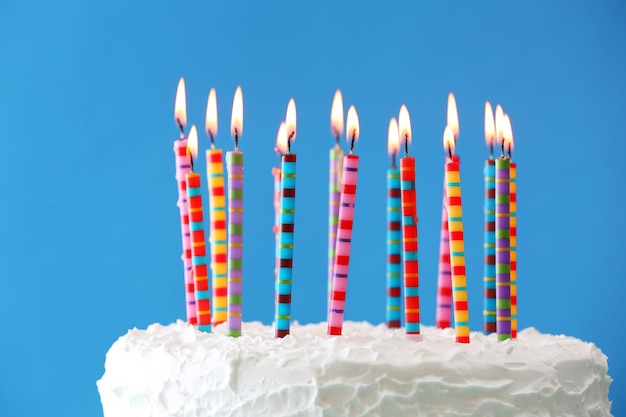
pixel 457 244
pixel 217 215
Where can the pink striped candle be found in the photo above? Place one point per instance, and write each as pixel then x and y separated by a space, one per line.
pixel 334 184
pixel 344 230
pixel 183 166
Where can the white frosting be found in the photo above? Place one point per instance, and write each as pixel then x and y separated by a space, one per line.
pixel 177 371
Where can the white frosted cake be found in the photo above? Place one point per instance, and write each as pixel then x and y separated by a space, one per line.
pixel 177 371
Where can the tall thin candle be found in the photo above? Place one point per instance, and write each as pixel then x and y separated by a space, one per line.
pixel 409 232
pixel 444 280
pixel 489 312
pixel 198 246
pixel 234 165
pixel 334 185
pixel 394 231
pixel 217 215
pixel 183 166
pixel 457 241
pixel 503 260
pixel 344 231
pixel 508 135
pixel 287 220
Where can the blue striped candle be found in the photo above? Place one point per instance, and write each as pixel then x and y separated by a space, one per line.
pixel 286 227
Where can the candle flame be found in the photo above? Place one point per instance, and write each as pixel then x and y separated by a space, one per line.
pixel 393 137
pixel 290 120
pixel 336 115
pixel 404 122
pixel 281 139
pixel 507 134
pixel 352 133
pixel 192 142
pixel 180 105
pixel 499 124
pixel 448 140
pixel 211 114
pixel 453 116
pixel 236 119
pixel 489 125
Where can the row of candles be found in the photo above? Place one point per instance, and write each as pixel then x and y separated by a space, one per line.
pixel 226 214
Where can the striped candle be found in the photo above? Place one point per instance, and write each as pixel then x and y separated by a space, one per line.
pixel 183 166
pixel 287 215
pixel 234 165
pixel 217 233
pixel 489 313
pixel 334 192
pixel 198 252
pixel 343 244
pixel 276 174
pixel 457 251
pixel 409 247
pixel 394 249
pixel 513 229
pixel 444 281
pixel 502 234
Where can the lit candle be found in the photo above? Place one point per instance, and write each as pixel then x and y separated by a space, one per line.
pixel 444 281
pixel 334 186
pixel 234 165
pixel 286 228
pixel 409 231
pixel 457 245
pixel 508 135
pixel 198 246
pixel 489 312
pixel 394 231
pixel 217 214
pixel 503 260
pixel 281 149
pixel 344 228
pixel 183 165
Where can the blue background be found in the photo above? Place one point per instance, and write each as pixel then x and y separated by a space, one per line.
pixel 89 225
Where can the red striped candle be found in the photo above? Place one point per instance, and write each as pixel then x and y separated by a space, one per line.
pixel 409 232
pixel 198 246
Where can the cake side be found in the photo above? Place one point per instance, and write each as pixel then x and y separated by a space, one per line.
pixel 176 370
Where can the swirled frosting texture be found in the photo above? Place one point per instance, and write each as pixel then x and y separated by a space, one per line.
pixel 177 371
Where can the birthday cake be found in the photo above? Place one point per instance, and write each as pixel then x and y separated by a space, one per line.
pixel 177 371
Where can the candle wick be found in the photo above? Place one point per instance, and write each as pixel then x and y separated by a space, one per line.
pixel 190 159
pixel 450 151
pixel 491 150
pixel 181 127
pixel 289 145
pixel 236 140
pixel 352 142
pixel 212 140
pixel 406 145
pixel 502 154
pixel 337 139
pixel 393 160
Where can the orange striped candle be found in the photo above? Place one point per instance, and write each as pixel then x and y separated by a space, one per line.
pixel 457 244
pixel 217 215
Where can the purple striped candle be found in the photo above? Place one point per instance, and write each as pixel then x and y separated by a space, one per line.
pixel 234 163
pixel 503 260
